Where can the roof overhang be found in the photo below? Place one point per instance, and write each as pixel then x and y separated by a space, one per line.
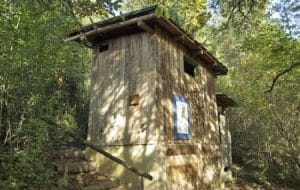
pixel 224 101
pixel 145 20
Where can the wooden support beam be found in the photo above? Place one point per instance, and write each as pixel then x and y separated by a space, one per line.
pixel 119 161
pixel 111 157
pixel 145 26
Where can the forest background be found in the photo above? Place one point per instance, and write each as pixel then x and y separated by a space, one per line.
pixel 44 81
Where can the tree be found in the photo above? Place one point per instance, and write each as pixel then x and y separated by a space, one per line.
pixel 44 82
pixel 40 80
pixel 265 129
pixel 190 14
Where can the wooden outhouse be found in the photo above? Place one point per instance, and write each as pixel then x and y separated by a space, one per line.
pixel 153 102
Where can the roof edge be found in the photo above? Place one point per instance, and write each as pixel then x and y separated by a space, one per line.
pixel 122 17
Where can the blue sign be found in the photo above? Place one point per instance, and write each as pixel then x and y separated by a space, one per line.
pixel 181 118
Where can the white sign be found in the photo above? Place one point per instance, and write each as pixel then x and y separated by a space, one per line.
pixel 181 119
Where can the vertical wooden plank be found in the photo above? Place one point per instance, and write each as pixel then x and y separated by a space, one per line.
pixel 162 92
pixel 117 116
pixel 111 85
pixel 113 103
pixel 128 75
pixel 135 87
pixel 147 126
pixel 153 84
pixel 100 88
pixel 92 110
pixel 118 113
pixel 178 64
pixel 159 89
pixel 124 79
pixel 133 67
pixel 213 107
pixel 108 95
pixel 161 72
pixel 169 105
pixel 142 131
pixel 171 80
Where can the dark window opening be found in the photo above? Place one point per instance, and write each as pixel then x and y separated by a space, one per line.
pixel 103 47
pixel 220 135
pixel 220 131
pixel 189 68
pixel 226 169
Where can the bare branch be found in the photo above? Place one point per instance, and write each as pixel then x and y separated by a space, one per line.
pixel 296 64
pixel 231 15
pixel 242 7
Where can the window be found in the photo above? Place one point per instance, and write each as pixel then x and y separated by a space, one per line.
pixel 103 47
pixel 191 68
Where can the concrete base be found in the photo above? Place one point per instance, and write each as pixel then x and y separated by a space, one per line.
pixel 189 171
pixel 143 157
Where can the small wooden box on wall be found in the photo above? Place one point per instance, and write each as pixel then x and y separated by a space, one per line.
pixel 134 100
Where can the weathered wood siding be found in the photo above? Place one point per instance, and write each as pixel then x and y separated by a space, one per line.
pixel 195 163
pixel 127 68
pixel 172 80
pixel 226 170
pixel 151 67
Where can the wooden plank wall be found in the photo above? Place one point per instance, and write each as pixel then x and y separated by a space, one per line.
pixel 202 151
pixel 127 68
pixel 201 93
pixel 151 66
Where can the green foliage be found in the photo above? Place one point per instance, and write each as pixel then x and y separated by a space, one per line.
pixel 26 166
pixel 265 126
pixel 242 13
pixel 189 14
pixel 42 89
